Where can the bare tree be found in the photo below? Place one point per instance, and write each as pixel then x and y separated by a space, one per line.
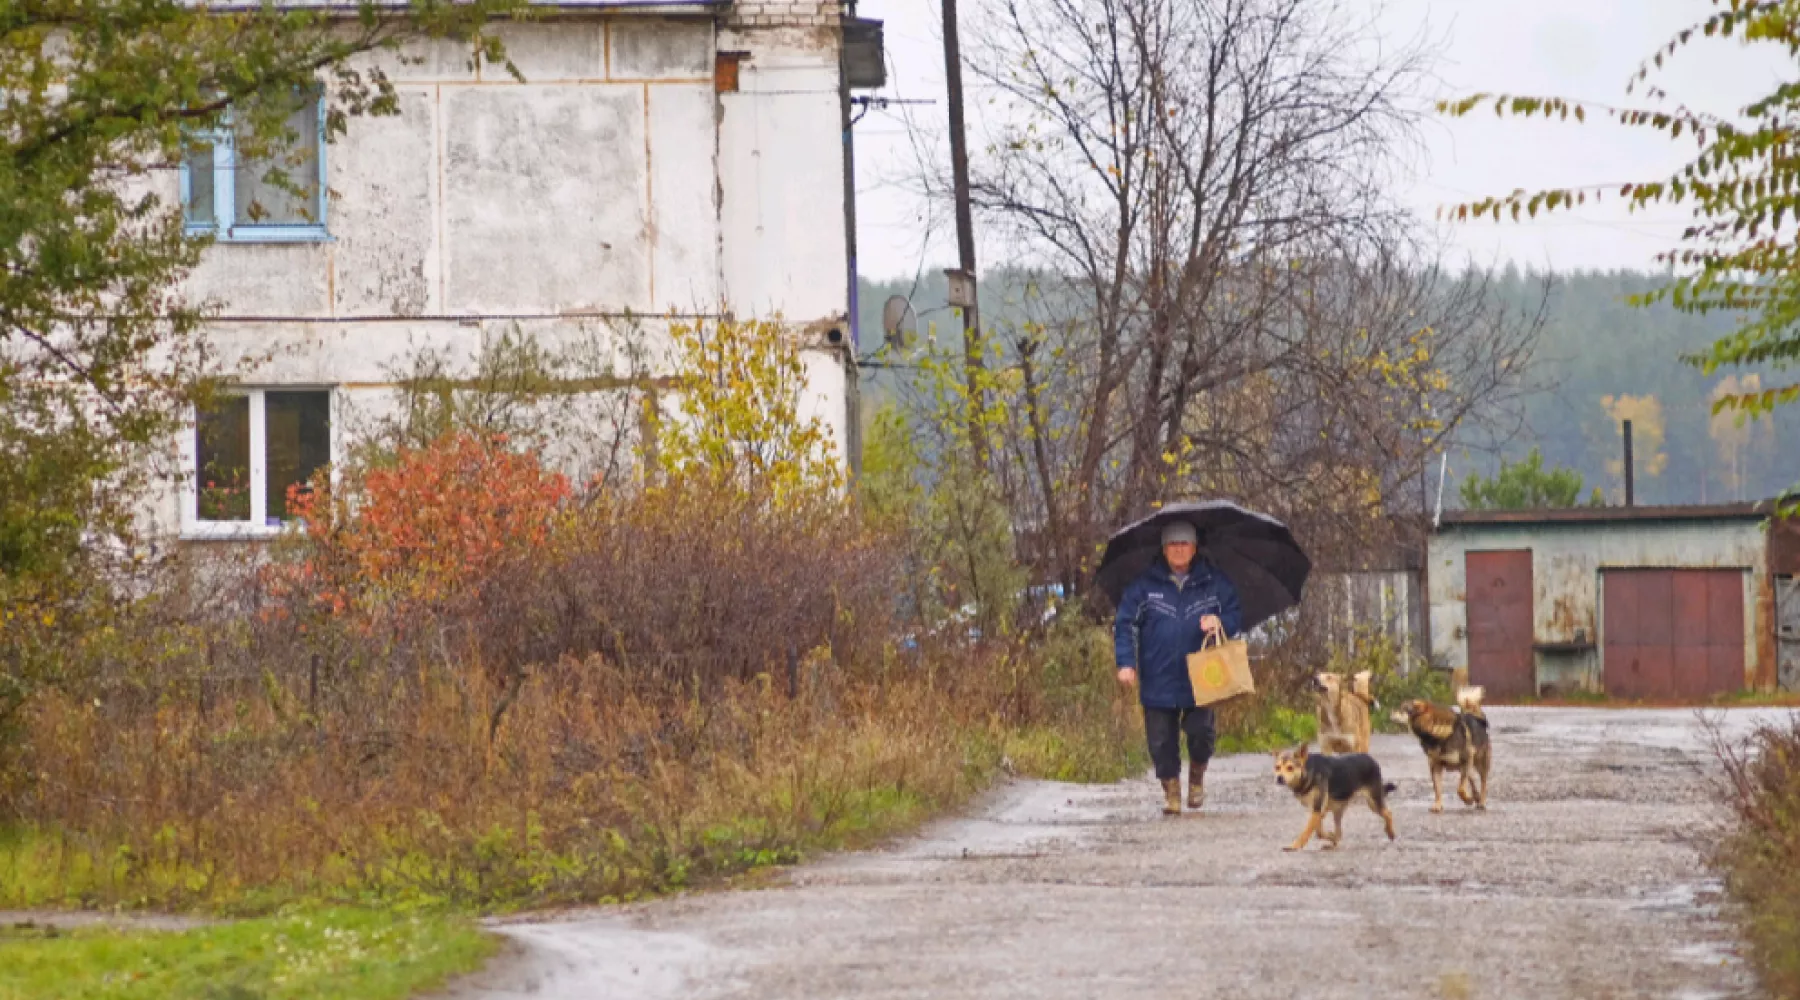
pixel 1227 301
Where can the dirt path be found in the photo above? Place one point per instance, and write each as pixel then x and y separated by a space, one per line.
pixel 1580 881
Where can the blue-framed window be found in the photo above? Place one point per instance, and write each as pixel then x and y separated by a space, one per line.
pixel 235 198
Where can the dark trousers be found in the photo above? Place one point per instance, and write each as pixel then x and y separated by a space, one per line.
pixel 1163 728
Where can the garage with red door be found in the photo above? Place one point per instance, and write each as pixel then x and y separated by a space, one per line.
pixel 1673 604
pixel 1672 633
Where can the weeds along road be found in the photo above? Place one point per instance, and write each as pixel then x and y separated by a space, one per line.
pixel 1583 879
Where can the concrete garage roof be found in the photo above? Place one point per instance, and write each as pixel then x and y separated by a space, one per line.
pixel 1607 515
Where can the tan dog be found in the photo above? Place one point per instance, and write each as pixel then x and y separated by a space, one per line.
pixel 1343 711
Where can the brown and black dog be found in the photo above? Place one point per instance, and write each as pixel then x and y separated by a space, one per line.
pixel 1453 740
pixel 1327 784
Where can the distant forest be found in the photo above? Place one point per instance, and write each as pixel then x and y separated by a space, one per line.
pixel 1600 360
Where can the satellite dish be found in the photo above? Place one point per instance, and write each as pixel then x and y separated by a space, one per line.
pixel 899 321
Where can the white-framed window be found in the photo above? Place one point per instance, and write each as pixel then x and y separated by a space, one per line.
pixel 245 453
pixel 235 198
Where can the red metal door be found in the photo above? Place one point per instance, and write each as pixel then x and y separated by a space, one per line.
pixel 1673 634
pixel 1725 631
pixel 1691 641
pixel 1500 623
pixel 1620 670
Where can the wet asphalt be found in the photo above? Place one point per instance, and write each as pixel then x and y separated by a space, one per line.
pixel 1584 879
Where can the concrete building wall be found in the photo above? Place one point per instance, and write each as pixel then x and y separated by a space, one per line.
pixel 1568 562
pixel 610 188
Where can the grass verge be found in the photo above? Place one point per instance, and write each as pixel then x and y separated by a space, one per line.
pixel 315 955
pixel 1256 726
pixel 1091 755
pixel 730 825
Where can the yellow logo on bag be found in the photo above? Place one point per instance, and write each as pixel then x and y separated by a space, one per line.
pixel 1220 671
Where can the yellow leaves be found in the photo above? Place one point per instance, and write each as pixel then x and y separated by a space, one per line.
pixel 1740 441
pixel 1368 488
pixel 738 418
pixel 1647 428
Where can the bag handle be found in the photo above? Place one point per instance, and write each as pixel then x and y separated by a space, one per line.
pixel 1210 639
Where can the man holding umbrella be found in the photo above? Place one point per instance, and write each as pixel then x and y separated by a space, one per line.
pixel 1170 598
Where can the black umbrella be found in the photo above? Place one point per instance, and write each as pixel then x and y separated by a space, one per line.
pixel 1256 551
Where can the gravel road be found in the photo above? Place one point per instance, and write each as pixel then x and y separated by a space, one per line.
pixel 1583 879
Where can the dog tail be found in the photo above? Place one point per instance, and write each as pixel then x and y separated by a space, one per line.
pixel 1468 699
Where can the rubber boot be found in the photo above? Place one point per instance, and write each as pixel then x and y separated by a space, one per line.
pixel 1171 796
pixel 1196 784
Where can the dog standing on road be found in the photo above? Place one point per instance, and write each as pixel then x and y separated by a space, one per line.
pixel 1453 740
pixel 1327 784
pixel 1343 711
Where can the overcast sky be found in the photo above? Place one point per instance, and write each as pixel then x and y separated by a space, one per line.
pixel 1576 48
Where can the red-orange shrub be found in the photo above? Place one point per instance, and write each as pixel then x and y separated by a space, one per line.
pixel 435 522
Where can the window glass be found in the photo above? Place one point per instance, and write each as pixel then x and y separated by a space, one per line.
pixel 199 207
pixel 297 430
pixel 261 201
pixel 222 466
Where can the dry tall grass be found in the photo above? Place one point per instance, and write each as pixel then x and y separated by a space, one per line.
pixel 594 785
pixel 1761 856
pixel 626 693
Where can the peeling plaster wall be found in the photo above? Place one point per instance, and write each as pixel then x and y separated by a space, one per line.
pixel 783 250
pixel 613 180
pixel 1567 561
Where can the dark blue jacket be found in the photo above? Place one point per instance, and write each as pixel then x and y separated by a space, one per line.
pixel 1158 625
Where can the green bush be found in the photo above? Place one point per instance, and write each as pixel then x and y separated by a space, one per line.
pixel 1256 726
pixel 1082 726
pixel 1397 677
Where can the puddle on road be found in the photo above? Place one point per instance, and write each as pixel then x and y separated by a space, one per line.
pixel 1676 730
pixel 596 957
pixel 1682 897
pixel 1029 818
pixel 1706 955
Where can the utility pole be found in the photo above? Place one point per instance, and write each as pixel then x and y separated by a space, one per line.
pixel 852 375
pixel 1423 583
pixel 965 229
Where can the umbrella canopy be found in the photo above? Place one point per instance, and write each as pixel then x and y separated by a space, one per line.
pixel 1256 551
